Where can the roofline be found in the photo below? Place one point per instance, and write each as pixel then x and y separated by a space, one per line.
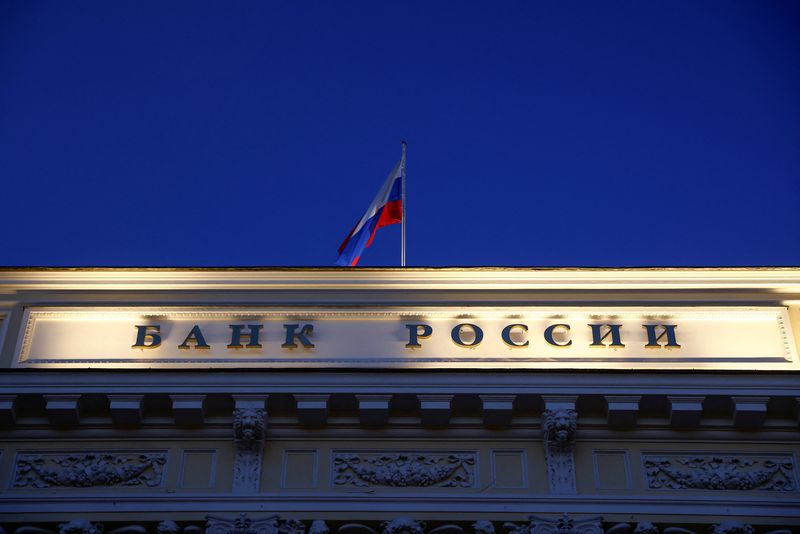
pixel 781 280
pixel 490 268
pixel 382 268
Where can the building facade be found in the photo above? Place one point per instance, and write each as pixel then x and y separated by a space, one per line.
pixel 417 401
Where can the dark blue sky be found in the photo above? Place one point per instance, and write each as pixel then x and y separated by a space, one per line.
pixel 540 133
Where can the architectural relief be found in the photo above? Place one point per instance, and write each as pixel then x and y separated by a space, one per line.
pixel 266 525
pixel 727 527
pixel 716 472
pixel 563 525
pixel 404 469
pixel 645 527
pixel 400 525
pixel 83 470
pixel 80 526
pixel 732 527
pixel 291 526
pixel 558 429
pixel 242 525
pixel 483 527
pixel 318 526
pixel 403 525
pixel 168 527
pixel 248 432
pixel 249 425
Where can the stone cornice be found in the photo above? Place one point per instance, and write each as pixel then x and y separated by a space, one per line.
pixel 463 505
pixel 401 382
pixel 783 280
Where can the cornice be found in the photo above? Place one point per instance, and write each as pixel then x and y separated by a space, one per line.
pixel 780 280
pixel 19 382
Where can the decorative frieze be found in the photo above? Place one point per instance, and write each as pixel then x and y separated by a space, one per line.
pixel 726 527
pixel 291 526
pixel 80 526
pixel 720 472
pixel 318 526
pixel 563 525
pixel 403 525
pixel 168 527
pixel 404 469
pixel 242 525
pixel 88 469
pixel 732 527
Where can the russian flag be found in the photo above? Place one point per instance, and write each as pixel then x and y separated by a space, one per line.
pixel 385 209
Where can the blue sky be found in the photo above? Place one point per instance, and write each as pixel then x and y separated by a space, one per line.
pixel 539 133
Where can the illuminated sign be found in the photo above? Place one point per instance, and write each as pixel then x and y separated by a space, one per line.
pixel 475 337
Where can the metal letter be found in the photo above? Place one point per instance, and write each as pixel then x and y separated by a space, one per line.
pixel 548 335
pixel 195 336
pixel 252 336
pixel 414 333
pixel 613 329
pixel 507 335
pixel 142 335
pixel 456 335
pixel 653 340
pixel 291 335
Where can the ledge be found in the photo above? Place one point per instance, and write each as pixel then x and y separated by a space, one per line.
pixel 781 279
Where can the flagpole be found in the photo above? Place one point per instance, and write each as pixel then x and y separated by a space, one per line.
pixel 403 179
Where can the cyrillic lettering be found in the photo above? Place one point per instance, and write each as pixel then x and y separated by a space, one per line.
pixel 653 340
pixel 292 335
pixel 416 331
pixel 613 330
pixel 195 336
pixel 252 336
pixel 548 335
pixel 506 334
pixel 145 333
pixel 455 334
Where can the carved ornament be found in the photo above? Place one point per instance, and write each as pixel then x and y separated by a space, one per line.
pixel 80 526
pixel 558 431
pixel 83 470
pixel 732 527
pixel 248 425
pixel 563 525
pixel 404 469
pixel 713 472
pixel 403 525
pixel 241 525
pixel 559 427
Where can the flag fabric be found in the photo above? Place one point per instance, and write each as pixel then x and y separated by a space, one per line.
pixel 385 209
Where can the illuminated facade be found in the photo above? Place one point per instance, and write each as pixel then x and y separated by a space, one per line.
pixel 389 401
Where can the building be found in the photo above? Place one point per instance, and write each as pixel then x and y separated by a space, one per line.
pixel 413 401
